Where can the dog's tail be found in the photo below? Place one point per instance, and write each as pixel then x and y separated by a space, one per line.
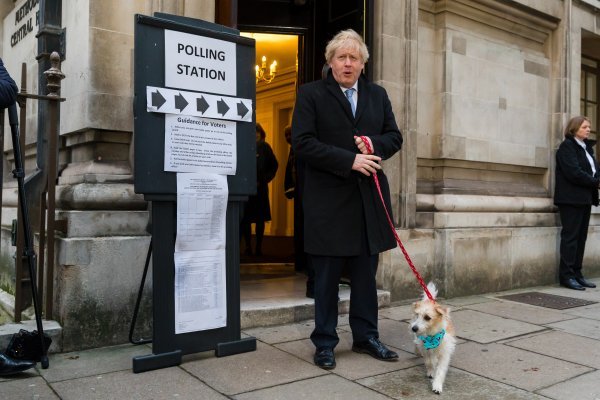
pixel 432 289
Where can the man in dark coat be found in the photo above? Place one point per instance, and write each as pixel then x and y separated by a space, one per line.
pixel 8 88
pixel 8 96
pixel 344 219
pixel 575 191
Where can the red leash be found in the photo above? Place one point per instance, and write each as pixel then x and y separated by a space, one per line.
pixel 387 214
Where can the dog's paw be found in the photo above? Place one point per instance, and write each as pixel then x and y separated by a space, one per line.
pixel 436 388
pixel 437 391
pixel 430 376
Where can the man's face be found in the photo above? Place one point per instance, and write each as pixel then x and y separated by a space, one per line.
pixel 346 66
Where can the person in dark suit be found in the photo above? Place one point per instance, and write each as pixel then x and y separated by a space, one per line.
pixel 8 88
pixel 344 219
pixel 575 191
pixel 8 96
pixel 258 209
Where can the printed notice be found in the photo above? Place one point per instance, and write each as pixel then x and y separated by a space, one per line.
pixel 200 284
pixel 201 209
pixel 194 144
pixel 200 297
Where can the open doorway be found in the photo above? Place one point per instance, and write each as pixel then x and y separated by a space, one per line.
pixel 276 81
pixel 311 24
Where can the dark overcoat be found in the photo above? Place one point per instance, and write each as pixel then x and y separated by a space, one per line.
pixel 340 204
pixel 8 88
pixel 575 184
pixel 258 208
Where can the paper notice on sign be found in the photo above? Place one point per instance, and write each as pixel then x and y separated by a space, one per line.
pixel 200 295
pixel 201 210
pixel 195 144
pixel 200 270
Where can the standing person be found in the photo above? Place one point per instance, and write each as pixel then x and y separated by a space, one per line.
pixel 575 191
pixel 344 220
pixel 293 190
pixel 258 209
pixel 8 96
pixel 8 88
pixel 289 182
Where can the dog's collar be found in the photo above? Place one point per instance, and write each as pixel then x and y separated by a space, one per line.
pixel 433 341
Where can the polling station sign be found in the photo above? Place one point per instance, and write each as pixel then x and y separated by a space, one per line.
pixel 200 63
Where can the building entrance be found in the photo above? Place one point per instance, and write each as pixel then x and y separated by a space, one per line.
pixel 290 43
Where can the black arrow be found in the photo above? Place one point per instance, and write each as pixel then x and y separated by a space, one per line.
pixel 222 107
pixel 242 109
pixel 201 104
pixel 158 100
pixel 180 102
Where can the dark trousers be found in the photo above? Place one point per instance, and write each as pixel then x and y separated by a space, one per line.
pixel 363 298
pixel 575 221
pixel 246 233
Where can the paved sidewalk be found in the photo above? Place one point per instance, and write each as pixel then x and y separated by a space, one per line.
pixel 506 350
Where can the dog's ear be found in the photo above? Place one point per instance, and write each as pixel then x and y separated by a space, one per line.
pixel 443 311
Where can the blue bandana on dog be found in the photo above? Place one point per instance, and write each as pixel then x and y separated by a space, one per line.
pixel 433 341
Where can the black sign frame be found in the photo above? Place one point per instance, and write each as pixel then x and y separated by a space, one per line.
pixel 160 187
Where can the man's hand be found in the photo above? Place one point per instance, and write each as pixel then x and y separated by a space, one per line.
pixel 366 164
pixel 364 149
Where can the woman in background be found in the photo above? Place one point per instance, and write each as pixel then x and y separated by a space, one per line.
pixel 576 190
pixel 258 209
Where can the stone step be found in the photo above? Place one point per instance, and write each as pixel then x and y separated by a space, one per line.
pixel 51 328
pixel 285 310
pixel 253 313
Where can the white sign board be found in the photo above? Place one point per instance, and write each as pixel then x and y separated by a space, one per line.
pixel 199 63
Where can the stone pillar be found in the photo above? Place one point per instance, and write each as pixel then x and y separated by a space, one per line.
pixel 394 57
pixel 395 68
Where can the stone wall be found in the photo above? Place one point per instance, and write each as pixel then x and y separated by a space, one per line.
pixel 100 257
pixel 495 83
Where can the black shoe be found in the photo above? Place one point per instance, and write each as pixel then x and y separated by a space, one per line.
pixel 585 283
pixel 324 358
pixel 9 366
pixel 375 348
pixel 572 283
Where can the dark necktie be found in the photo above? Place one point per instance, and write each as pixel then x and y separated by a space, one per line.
pixel 349 93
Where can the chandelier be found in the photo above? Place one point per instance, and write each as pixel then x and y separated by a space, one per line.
pixel 261 73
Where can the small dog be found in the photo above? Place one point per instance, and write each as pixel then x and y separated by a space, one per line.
pixel 434 337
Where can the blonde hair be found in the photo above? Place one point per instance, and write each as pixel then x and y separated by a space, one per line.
pixel 347 39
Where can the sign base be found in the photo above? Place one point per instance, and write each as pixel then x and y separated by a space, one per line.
pixel 156 361
pixel 239 346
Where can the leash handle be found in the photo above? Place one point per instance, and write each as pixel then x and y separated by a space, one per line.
pixel 387 214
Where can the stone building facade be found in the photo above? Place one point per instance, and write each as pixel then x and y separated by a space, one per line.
pixel 481 90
